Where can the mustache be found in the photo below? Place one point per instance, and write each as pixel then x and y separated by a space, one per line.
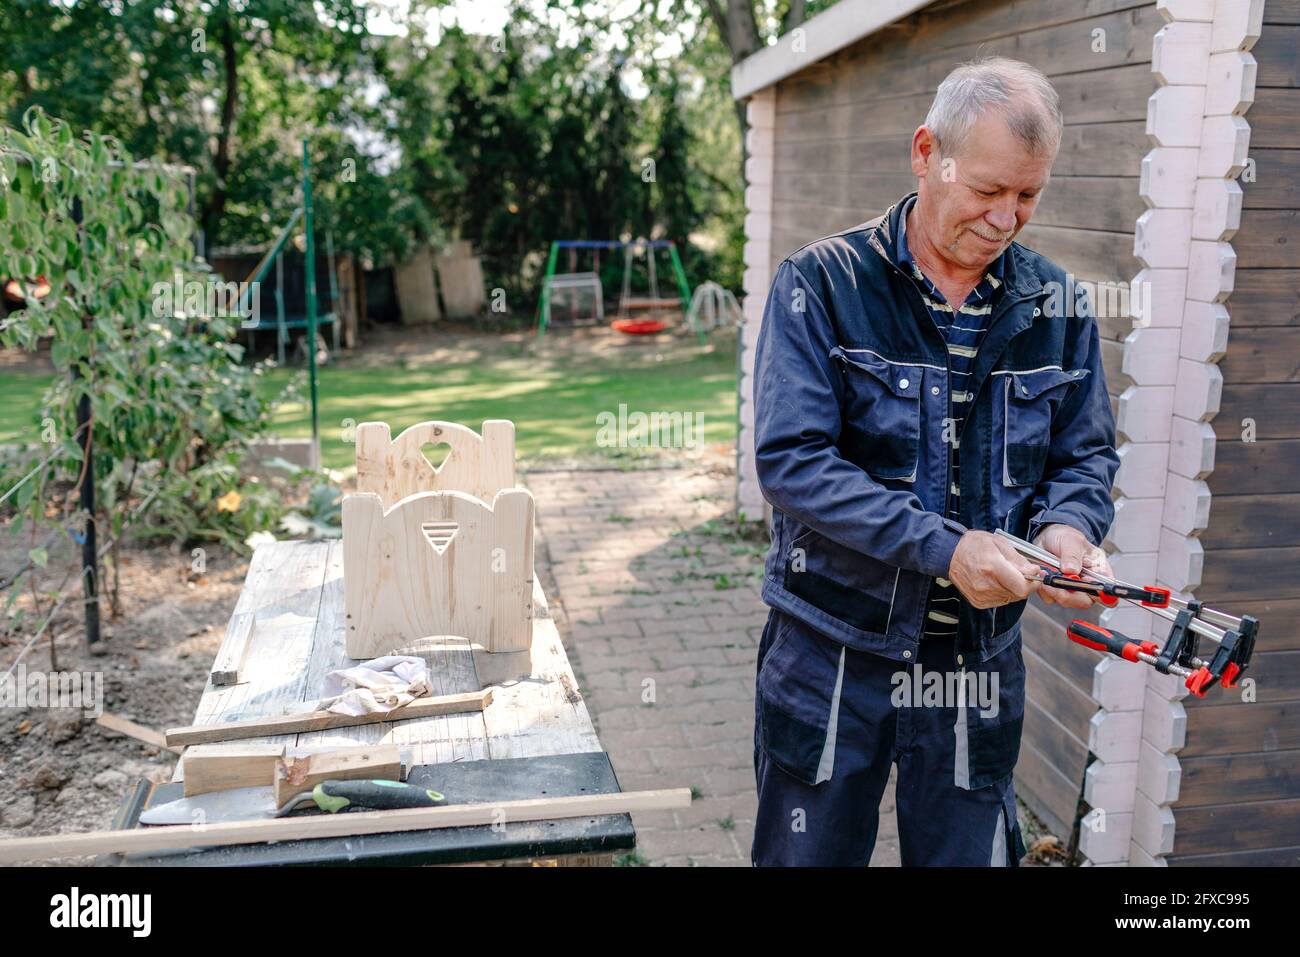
pixel 1000 238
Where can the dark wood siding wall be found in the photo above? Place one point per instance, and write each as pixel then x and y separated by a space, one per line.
pixel 843 134
pixel 1241 767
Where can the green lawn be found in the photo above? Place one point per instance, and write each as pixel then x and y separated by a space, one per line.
pixel 20 404
pixel 553 399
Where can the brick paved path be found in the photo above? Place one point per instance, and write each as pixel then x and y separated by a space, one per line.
pixel 656 594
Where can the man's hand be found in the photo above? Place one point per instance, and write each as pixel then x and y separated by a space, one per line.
pixel 989 572
pixel 1076 554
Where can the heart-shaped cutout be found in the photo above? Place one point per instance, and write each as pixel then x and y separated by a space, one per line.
pixel 436 454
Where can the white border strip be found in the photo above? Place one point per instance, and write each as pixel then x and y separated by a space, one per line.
pixel 842 25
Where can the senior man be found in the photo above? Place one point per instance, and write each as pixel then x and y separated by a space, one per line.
pixel 921 380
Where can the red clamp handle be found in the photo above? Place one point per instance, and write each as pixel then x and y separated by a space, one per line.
pixel 1102 639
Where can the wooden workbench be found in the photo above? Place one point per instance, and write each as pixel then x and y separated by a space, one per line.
pixel 294 590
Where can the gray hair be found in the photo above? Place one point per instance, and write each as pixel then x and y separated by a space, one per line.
pixel 1019 92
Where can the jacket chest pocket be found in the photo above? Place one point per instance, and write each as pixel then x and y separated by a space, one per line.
pixel 1022 418
pixel 881 430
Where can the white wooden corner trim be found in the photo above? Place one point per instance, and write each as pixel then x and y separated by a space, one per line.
pixel 1201 60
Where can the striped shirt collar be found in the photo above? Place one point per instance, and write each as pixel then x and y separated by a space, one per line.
pixel 983 290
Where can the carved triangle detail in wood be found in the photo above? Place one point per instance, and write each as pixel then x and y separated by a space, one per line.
pixel 439 534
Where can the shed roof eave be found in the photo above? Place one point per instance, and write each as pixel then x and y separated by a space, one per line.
pixel 843 24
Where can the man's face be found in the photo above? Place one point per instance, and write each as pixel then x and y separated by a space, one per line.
pixel 976 202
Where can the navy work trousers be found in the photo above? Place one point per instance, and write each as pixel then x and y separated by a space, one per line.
pixel 829 724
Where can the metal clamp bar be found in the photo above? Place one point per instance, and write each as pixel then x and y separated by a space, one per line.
pixel 1202 628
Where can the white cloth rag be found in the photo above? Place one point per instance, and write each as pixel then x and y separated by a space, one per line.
pixel 380 684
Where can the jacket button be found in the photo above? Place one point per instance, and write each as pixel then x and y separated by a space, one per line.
pixel 934 390
pixel 1038 312
pixel 1025 389
pixel 959 659
pixel 903 383
pixel 907 654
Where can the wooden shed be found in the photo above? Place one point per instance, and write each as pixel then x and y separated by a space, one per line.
pixel 1177 180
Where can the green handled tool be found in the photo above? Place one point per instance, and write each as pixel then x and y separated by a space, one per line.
pixel 244 804
pixel 335 796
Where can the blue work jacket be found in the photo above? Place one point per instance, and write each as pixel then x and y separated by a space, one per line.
pixel 851 397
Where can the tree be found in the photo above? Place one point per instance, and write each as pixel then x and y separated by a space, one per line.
pixel 149 72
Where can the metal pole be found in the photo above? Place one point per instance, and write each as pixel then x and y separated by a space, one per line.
pixel 543 307
pixel 334 287
pixel 281 332
pixel 89 555
pixel 682 286
pixel 311 289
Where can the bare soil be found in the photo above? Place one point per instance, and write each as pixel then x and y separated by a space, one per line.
pixel 61 772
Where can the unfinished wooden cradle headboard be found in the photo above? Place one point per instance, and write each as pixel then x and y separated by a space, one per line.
pixel 438 563
pixel 445 551
pixel 479 465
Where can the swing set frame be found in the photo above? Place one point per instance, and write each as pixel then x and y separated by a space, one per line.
pixel 649 245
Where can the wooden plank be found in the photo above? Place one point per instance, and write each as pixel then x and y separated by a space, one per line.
pixel 1056 50
pixel 294 775
pixel 1263 355
pixel 1276 674
pixel 1250 573
pixel 1275 119
pixel 1235 778
pixel 1252 521
pixel 393 468
pixel 1113 329
pixel 140 840
pixel 1070 706
pixel 1102 149
pixel 1088 254
pixel 233 651
pixel 1268 239
pixel 863 193
pixel 1264 297
pixel 461 736
pixel 1112 360
pixel 1277 52
pixel 1043 632
pixel 1276 183
pixel 1279 618
pixel 1058 745
pixel 1275 409
pixel 1117 94
pixel 1048 793
pixel 894 116
pixel 118 725
pixel 1242 728
pixel 856 154
pixel 433 740
pixel 214 767
pixel 1253 468
pixel 1269 857
pixel 1281 11
pixel 809 222
pixel 1090 149
pixel 544 713
pixel 1236 827
pixel 973 22
pixel 1106 96
pixel 438 563
pixel 283 589
pixel 1108 203
pixel 323 720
